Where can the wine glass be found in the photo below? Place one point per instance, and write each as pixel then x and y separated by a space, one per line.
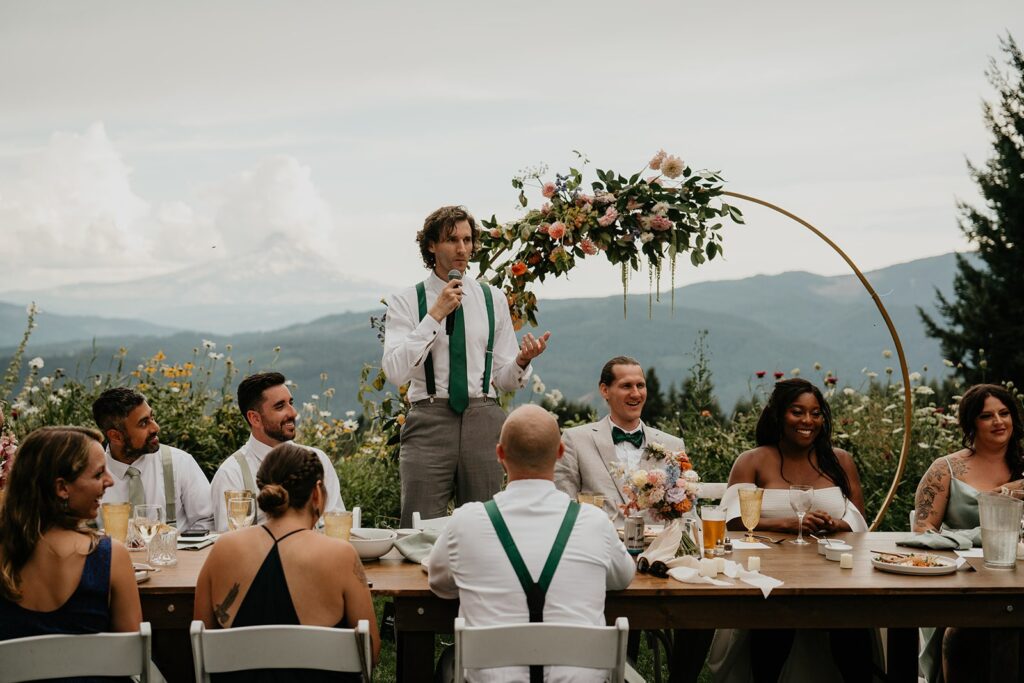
pixel 147 519
pixel 750 510
pixel 801 497
pixel 241 513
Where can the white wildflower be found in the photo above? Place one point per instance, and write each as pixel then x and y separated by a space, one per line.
pixel 872 375
pixel 661 208
pixel 922 445
pixel 350 425
pixel 350 413
pixel 34 390
pixel 555 396
pixel 209 345
pixel 948 363
pixel 309 407
pixel 36 363
pixel 887 354
pixel 924 390
pixel 325 413
pixel 672 167
pixel 817 366
pixel 46 381
pixel 646 237
pixel 849 391
pixel 175 390
pixel 315 397
pixel 63 392
pixel 215 356
pixel 55 399
pixel 795 372
pixel 915 377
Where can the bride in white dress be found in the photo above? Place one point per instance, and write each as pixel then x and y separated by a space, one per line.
pixel 794 436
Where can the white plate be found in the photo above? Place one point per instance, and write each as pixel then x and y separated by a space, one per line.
pixel 947 567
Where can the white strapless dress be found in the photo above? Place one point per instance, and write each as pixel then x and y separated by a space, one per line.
pixel 810 658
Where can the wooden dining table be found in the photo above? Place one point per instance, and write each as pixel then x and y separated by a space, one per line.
pixel 816 593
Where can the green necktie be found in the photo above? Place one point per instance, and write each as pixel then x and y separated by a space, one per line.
pixel 458 384
pixel 136 496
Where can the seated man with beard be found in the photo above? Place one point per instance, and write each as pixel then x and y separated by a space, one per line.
pixel 266 404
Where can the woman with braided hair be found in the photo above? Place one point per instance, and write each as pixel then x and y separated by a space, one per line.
pixel 282 571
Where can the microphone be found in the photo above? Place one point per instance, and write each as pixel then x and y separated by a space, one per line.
pixel 449 322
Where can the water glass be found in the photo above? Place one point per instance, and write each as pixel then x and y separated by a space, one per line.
pixel 1000 529
pixel 163 549
pixel 147 519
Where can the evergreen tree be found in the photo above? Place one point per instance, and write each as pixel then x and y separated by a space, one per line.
pixel 985 331
pixel 655 409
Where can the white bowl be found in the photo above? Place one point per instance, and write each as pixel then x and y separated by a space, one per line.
pixel 372 543
pixel 824 543
pixel 833 551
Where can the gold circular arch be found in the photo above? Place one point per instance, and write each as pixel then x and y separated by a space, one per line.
pixel 908 400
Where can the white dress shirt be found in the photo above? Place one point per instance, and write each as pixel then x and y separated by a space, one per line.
pixel 191 488
pixel 469 563
pixel 229 478
pixel 408 341
pixel 629 455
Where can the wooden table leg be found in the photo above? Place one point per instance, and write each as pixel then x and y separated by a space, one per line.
pixel 902 654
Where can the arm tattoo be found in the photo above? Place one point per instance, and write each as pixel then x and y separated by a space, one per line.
pixel 930 487
pixel 221 610
pixel 359 571
pixel 959 467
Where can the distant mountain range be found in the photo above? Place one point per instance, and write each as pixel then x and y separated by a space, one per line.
pixel 287 284
pixel 769 323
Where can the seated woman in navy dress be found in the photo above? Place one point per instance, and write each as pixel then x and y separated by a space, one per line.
pixel 282 571
pixel 57 575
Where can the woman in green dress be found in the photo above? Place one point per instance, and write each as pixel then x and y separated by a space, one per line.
pixel 991 459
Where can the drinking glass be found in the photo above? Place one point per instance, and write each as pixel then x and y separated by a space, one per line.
pixel 750 510
pixel 163 549
pixel 241 512
pixel 712 519
pixel 147 520
pixel 115 520
pixel 338 524
pixel 801 497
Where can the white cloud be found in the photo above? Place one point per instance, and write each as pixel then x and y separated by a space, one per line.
pixel 70 213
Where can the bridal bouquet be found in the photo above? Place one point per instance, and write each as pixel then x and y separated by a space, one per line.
pixel 667 491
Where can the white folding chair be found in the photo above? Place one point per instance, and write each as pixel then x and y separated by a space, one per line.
pixel 93 654
pixel 435 524
pixel 594 647
pixel 281 647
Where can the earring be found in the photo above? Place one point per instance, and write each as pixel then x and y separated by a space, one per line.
pixel 64 504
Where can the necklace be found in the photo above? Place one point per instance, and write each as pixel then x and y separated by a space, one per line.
pixel 54 551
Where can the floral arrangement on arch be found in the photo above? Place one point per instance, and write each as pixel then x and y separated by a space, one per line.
pixel 667 491
pixel 672 211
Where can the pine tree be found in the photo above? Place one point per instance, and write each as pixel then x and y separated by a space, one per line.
pixel 655 409
pixel 985 332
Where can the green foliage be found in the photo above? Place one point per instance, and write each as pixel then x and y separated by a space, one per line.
pixel 985 319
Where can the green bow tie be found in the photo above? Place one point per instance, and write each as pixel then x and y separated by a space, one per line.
pixel 636 438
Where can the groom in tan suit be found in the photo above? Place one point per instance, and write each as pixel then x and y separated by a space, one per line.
pixel 594 450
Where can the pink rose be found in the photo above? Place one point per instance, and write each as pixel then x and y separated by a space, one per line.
pixel 557 230
pixel 543 228
pixel 660 223
pixel 609 217
pixel 549 190
pixel 546 209
pixel 495 233
pixel 588 246
pixel 655 162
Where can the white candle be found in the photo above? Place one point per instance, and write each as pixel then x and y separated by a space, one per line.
pixel 719 565
pixel 754 564
pixel 707 568
pixel 846 561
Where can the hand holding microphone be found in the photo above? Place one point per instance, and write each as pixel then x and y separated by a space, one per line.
pixel 454 283
pixel 448 300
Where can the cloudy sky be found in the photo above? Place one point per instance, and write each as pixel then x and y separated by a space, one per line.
pixel 139 138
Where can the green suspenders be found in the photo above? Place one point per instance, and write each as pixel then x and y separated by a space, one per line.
pixel 428 364
pixel 170 498
pixel 536 591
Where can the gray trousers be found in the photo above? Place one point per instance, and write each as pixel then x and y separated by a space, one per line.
pixel 444 454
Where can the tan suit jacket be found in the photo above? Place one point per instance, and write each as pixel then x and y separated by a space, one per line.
pixel 590 456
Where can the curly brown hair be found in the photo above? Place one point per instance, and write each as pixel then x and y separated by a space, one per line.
pixel 287 478
pixel 31 506
pixel 438 226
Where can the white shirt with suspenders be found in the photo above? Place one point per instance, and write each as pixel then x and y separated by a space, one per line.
pixel 170 478
pixel 239 470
